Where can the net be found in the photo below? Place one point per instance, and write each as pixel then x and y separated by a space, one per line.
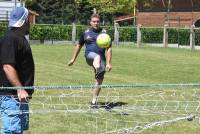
pixel 121 108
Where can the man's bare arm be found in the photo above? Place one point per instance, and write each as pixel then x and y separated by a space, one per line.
pixel 13 78
pixel 109 58
pixel 75 54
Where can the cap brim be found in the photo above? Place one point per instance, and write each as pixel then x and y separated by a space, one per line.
pixel 16 23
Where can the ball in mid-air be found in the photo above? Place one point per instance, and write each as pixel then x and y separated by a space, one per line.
pixel 103 40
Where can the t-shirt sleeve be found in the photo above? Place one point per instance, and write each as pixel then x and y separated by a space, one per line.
pixel 81 40
pixel 7 52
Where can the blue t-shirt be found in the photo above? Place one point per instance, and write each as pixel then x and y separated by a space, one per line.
pixel 89 39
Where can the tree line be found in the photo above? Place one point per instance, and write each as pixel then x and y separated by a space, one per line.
pixel 79 11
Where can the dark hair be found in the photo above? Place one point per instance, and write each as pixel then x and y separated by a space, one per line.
pixel 94 16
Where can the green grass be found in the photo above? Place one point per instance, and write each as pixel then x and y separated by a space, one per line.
pixel 131 65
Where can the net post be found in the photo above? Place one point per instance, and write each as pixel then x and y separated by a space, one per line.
pixel 139 35
pixel 165 36
pixel 192 37
pixel 116 34
pixel 73 33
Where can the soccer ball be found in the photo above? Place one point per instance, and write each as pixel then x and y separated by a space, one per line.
pixel 103 40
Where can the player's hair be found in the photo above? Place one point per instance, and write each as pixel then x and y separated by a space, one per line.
pixel 94 16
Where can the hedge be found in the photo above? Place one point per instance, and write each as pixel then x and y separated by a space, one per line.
pixel 149 35
pixel 152 35
pixel 51 32
pixel 3 29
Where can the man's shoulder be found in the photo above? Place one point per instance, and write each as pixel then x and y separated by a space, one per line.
pixel 9 35
pixel 86 31
pixel 0 42
pixel 5 39
pixel 1 38
pixel 9 38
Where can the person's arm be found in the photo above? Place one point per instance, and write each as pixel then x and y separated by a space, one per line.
pixel 13 78
pixel 75 54
pixel 109 58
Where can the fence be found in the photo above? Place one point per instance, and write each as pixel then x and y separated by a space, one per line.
pixel 163 36
pixel 182 36
pixel 4 15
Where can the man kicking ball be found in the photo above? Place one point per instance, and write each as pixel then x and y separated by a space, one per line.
pixel 95 55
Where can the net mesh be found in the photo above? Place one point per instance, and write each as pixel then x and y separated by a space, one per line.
pixel 121 108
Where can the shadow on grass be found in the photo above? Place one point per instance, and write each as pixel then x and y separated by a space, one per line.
pixel 110 105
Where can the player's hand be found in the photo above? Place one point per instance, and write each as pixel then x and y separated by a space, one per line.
pixel 108 67
pixel 22 95
pixel 71 62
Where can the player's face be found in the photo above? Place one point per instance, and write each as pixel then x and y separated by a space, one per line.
pixel 95 22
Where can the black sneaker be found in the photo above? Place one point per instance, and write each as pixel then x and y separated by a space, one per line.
pixel 94 105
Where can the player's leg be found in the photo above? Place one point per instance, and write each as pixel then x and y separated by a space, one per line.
pixel 96 90
pixel 98 64
pixel 99 77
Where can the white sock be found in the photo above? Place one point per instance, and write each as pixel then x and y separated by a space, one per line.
pixel 94 100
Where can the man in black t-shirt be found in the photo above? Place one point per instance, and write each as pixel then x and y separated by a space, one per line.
pixel 16 70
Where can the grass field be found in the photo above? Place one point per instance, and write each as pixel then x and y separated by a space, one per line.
pixel 131 65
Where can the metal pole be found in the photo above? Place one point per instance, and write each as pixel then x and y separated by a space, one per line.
pixel 116 34
pixel 15 3
pixel 73 33
pixel 139 35
pixel 134 14
pixel 192 37
pixel 94 11
pixel 165 36
pixel 168 11
pixel 21 3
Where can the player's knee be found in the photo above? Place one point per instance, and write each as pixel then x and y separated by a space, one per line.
pixel 99 74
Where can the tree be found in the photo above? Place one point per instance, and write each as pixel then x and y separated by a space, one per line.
pixel 83 11
pixel 68 11
pixel 113 6
pixel 54 11
pixel 61 11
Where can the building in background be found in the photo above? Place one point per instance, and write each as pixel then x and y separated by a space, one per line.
pixel 177 13
pixel 6 6
pixel 174 13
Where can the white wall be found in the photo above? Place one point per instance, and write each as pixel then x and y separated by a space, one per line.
pixel 6 7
